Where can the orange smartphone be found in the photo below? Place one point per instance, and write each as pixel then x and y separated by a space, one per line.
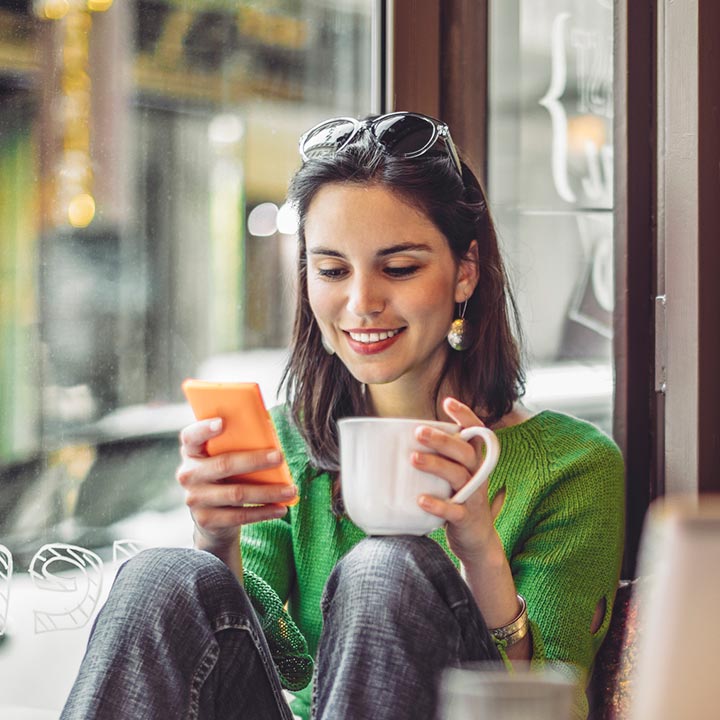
pixel 246 423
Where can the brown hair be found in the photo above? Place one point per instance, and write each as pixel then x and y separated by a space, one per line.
pixel 488 376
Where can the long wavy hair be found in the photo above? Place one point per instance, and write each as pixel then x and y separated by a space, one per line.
pixel 488 376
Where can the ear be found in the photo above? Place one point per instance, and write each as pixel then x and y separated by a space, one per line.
pixel 468 273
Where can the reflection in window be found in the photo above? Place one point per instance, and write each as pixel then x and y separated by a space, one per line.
pixel 144 133
pixel 145 151
pixel 550 182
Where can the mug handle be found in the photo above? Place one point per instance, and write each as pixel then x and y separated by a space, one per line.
pixel 492 454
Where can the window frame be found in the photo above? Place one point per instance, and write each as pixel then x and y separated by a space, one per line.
pixel 448 44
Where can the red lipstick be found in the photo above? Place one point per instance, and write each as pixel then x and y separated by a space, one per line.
pixel 371 348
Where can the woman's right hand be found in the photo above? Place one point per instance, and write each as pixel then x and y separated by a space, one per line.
pixel 215 493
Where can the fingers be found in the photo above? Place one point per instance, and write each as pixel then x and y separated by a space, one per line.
pixel 451 513
pixel 452 447
pixel 219 507
pixel 196 470
pixel 455 459
pixel 452 459
pixel 213 521
pixel 193 438
pixel 237 495
pixel 218 498
pixel 461 413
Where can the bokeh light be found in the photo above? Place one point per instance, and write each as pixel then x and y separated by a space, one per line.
pixel 262 220
pixel 81 210
pixel 287 219
pixel 55 9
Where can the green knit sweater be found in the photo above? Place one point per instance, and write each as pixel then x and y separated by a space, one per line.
pixel 561 525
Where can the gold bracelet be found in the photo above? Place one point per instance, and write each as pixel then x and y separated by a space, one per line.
pixel 516 630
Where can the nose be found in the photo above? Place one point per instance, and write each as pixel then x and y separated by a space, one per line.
pixel 365 297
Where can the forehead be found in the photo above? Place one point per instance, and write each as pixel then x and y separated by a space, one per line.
pixel 344 211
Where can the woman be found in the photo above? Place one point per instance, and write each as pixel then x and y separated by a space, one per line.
pixel 395 241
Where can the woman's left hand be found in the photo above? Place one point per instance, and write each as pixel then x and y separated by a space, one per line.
pixel 470 529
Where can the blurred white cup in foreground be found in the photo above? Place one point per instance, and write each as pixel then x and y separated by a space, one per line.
pixel 478 691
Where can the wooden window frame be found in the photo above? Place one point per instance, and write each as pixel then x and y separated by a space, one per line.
pixel 689 226
pixel 667 214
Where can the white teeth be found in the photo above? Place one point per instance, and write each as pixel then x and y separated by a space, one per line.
pixel 373 337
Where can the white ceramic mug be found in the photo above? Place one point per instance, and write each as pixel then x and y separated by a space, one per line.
pixel 380 486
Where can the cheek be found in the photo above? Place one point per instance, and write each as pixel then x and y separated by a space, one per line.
pixel 320 300
pixel 429 304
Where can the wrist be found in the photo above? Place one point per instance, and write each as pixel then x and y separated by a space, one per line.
pixel 513 632
pixel 227 550
pixel 219 545
pixel 488 554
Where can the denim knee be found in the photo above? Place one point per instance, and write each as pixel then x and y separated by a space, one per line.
pixel 377 567
pixel 389 554
pixel 161 569
pixel 174 577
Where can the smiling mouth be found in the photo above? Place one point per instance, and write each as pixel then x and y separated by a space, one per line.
pixel 373 337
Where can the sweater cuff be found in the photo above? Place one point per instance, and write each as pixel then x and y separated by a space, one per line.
pixel 287 644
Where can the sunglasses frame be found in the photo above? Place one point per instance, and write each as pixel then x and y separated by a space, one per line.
pixel 440 131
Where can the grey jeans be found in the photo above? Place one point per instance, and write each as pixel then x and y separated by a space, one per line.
pixel 178 638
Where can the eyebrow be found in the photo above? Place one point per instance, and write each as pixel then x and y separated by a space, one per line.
pixel 391 250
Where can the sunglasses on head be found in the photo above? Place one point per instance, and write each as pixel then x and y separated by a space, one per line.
pixel 402 134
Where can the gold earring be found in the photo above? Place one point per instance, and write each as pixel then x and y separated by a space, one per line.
pixel 459 335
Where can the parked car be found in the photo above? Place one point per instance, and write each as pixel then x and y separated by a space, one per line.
pixel 72 513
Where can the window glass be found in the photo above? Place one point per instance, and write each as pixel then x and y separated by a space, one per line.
pixel 145 151
pixel 550 181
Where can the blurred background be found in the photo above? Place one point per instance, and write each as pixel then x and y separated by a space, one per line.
pixel 145 152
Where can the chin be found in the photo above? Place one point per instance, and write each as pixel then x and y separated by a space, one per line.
pixel 373 376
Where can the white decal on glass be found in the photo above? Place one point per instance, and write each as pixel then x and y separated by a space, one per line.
pixel 593 300
pixel 558 116
pixel 6 571
pixel 76 573
pixel 125 549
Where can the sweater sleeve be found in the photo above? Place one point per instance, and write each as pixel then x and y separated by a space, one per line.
pixel 267 547
pixel 570 559
pixel 269 575
pixel 267 552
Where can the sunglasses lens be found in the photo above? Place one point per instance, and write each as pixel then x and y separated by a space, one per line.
pixel 404 134
pixel 328 138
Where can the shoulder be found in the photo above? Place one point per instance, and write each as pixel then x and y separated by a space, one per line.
pixel 569 439
pixel 560 450
pixel 580 458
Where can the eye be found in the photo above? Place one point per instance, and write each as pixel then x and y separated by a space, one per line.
pixel 332 273
pixel 401 271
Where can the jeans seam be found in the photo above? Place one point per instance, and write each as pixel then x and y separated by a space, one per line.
pixel 234 622
pixel 199 677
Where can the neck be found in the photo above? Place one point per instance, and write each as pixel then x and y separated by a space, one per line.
pixel 399 400
pixel 389 402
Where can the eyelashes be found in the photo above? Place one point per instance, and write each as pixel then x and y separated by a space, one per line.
pixel 401 271
pixel 338 273
pixel 331 273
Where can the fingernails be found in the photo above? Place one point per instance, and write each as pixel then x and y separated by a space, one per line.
pixel 424 501
pixel 418 458
pixel 424 433
pixel 452 404
pixel 289 491
pixel 279 511
pixel 274 456
pixel 216 424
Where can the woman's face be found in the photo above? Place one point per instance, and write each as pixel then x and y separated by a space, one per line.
pixel 382 284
